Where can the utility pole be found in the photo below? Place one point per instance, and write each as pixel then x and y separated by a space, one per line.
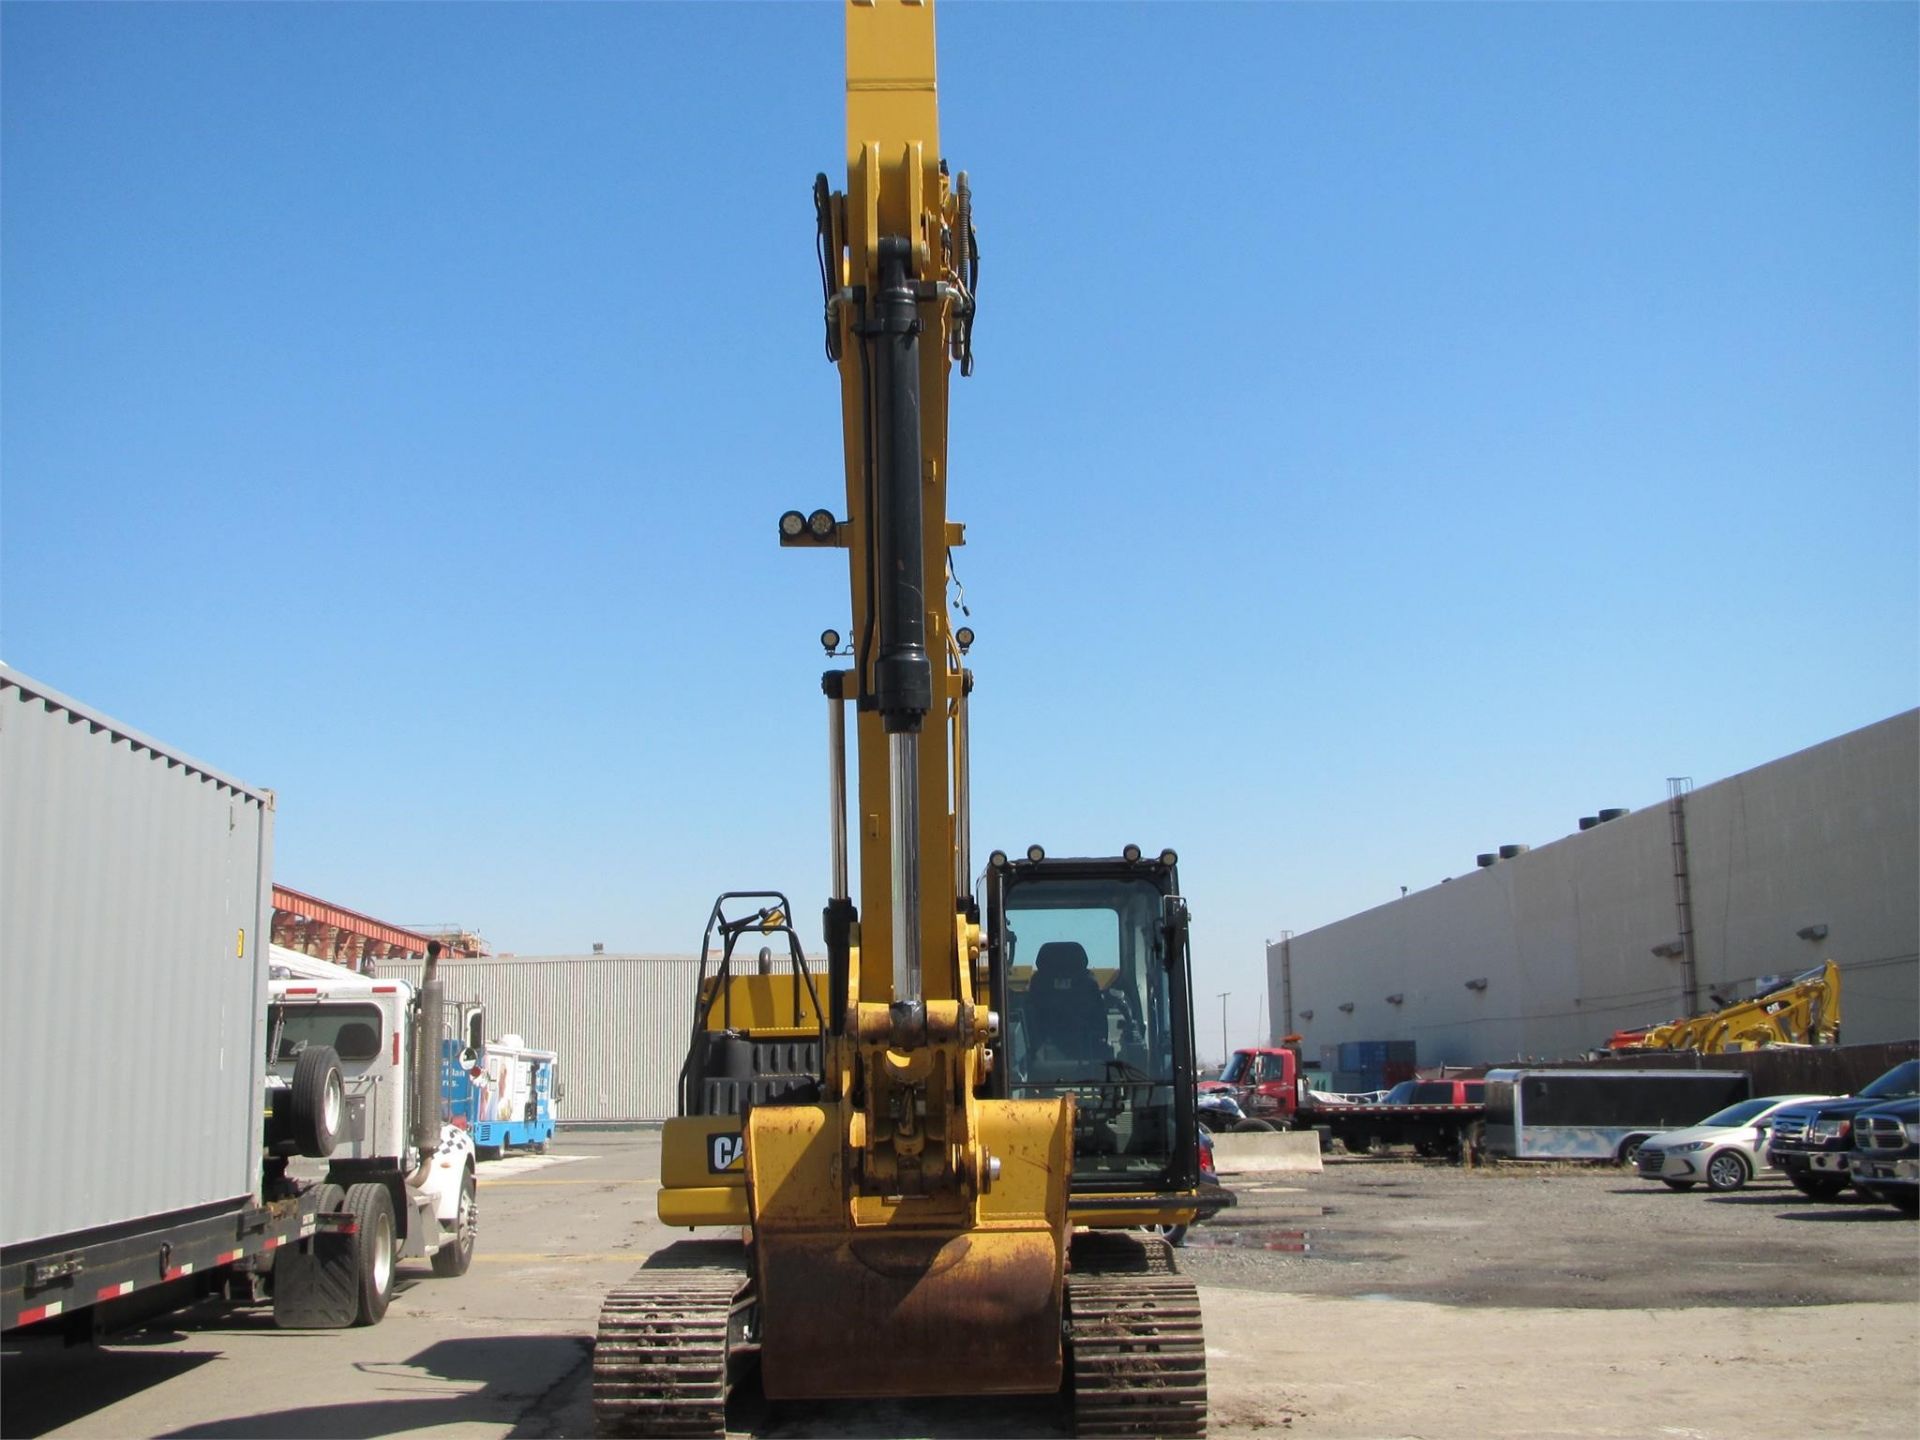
pixel 1225 1053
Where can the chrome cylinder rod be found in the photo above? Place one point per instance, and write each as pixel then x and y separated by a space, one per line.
pixel 903 763
pixel 837 791
pixel 962 801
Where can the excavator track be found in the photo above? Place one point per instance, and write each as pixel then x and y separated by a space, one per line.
pixel 1135 1347
pixel 660 1359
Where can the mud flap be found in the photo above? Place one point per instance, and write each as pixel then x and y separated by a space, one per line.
pixel 316 1284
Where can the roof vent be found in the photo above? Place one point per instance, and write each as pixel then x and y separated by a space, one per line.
pixel 1483 861
pixel 1587 822
pixel 1508 852
pixel 1612 814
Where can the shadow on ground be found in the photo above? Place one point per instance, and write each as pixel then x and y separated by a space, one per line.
pixel 511 1375
pixel 71 1384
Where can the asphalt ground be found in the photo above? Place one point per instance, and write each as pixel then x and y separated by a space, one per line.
pixel 1385 1297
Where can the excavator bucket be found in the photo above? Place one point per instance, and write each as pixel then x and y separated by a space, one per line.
pixel 902 1296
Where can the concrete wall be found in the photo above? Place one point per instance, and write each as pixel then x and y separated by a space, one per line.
pixel 1563 934
pixel 620 1024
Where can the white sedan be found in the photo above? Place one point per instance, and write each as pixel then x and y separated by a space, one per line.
pixel 1726 1149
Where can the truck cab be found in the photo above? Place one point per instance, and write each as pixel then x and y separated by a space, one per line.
pixel 1812 1143
pixel 1265 1079
pixel 411 1199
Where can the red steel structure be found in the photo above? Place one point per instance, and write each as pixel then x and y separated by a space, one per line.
pixel 346 937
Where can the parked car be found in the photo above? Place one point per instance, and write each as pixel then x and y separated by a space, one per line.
pixel 1724 1150
pixel 1885 1162
pixel 1812 1142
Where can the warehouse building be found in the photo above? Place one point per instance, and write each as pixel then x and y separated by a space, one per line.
pixel 1642 917
pixel 619 1024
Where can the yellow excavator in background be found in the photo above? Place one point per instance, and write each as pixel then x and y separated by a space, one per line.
pixel 941 1144
pixel 1805 1011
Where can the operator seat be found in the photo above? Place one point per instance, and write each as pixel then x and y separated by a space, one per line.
pixel 1065 1007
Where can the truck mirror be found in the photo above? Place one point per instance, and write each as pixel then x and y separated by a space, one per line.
pixel 469 1058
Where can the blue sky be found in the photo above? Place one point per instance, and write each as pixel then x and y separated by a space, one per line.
pixel 1398 430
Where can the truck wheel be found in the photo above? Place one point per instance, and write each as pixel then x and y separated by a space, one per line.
pixel 1629 1150
pixel 1726 1171
pixel 1817 1187
pixel 456 1251
pixel 372 1209
pixel 319 1101
pixel 1250 1126
pixel 1356 1145
pixel 1172 1234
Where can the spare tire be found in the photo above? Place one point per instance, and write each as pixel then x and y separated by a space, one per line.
pixel 319 1100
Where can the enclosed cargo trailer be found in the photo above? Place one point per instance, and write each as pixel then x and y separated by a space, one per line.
pixel 135 895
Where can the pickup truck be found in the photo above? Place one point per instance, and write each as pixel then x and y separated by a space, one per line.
pixel 1885 1160
pixel 1436 1117
pixel 1813 1143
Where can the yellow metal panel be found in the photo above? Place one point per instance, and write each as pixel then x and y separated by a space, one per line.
pixel 695 1150
pixel 710 1205
pixel 763 1005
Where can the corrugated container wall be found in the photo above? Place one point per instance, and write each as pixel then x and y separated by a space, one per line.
pixel 619 1023
pixel 134 893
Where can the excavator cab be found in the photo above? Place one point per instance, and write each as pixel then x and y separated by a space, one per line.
pixel 1088 964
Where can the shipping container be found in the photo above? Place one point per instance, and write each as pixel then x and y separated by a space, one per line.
pixel 134 901
pixel 620 1024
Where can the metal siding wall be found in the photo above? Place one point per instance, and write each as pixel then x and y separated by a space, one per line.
pixel 619 1023
pixel 130 1041
pixel 1563 933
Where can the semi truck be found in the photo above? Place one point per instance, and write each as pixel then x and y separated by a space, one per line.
pixel 135 897
pixel 401 1167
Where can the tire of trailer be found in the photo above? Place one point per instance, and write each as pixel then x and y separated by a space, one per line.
pixel 1727 1171
pixel 374 1248
pixel 1358 1144
pixel 1629 1150
pixel 1251 1126
pixel 1678 1184
pixel 319 1100
pixel 456 1254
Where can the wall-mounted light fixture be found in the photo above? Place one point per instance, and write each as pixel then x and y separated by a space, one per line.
pixel 1812 932
pixel 1306 1014
pixel 1396 999
pixel 1346 1007
pixel 1479 984
pixel 1670 949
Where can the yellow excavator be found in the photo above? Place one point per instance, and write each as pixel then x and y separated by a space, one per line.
pixel 1804 1011
pixel 939 1155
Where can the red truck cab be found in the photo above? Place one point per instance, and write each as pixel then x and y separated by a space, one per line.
pixel 1266 1081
